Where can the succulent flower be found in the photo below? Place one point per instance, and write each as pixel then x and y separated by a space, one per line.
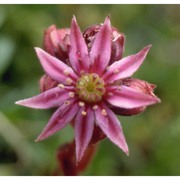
pixel 89 88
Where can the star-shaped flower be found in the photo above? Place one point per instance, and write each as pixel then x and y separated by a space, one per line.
pixel 90 88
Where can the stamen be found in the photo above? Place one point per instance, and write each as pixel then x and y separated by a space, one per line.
pixel 81 104
pixel 95 107
pixel 66 72
pixel 61 86
pixel 69 81
pixel 103 112
pixel 71 94
pixel 84 113
pixel 67 102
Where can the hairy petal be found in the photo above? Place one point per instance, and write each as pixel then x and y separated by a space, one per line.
pixel 111 126
pixel 127 66
pixel 48 99
pixel 63 115
pixel 127 97
pixel 78 54
pixel 84 125
pixel 101 49
pixel 56 69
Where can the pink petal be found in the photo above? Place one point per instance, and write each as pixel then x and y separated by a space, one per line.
pixel 140 85
pixel 127 97
pixel 55 68
pixel 127 112
pixel 63 115
pixel 111 126
pixel 101 49
pixel 84 125
pixel 126 66
pixel 118 47
pixel 48 99
pixel 78 54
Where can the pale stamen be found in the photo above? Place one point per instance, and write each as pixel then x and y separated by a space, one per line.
pixel 84 113
pixel 104 112
pixel 95 107
pixel 66 72
pixel 81 104
pixel 61 86
pixel 69 81
pixel 71 94
pixel 67 102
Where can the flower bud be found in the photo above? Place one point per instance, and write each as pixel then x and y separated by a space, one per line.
pixel 141 86
pixel 56 42
pixel 67 160
pixel 117 39
pixel 46 82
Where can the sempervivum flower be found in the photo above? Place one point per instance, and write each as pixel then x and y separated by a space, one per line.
pixel 88 89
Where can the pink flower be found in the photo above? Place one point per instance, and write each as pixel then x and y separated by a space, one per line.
pixel 91 88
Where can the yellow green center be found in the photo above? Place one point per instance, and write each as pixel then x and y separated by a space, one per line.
pixel 90 88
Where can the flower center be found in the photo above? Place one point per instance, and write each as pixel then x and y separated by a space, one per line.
pixel 90 88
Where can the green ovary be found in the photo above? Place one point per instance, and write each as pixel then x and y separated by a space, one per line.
pixel 90 88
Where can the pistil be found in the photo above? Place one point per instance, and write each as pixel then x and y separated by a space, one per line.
pixel 90 88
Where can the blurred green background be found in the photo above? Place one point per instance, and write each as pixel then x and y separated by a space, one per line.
pixel 153 137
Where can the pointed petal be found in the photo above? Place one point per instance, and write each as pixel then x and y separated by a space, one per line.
pixel 101 49
pixel 48 99
pixel 62 116
pixel 127 112
pixel 128 97
pixel 84 126
pixel 111 126
pixel 56 69
pixel 78 54
pixel 126 66
pixel 140 85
